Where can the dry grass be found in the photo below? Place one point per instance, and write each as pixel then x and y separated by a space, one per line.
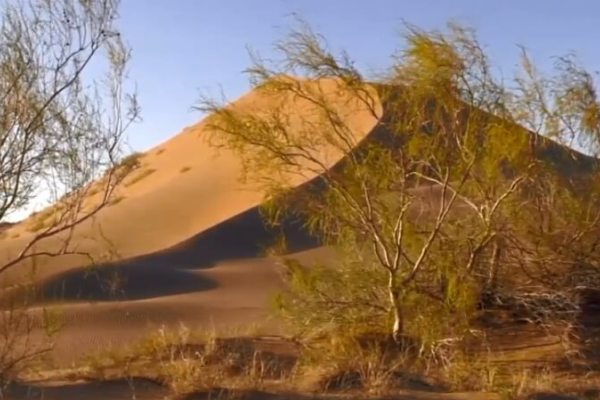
pixel 188 362
pixel 131 162
pixel 143 174
pixel 44 219
pixel 116 200
pixel 376 367
pixel 529 373
pixel 186 367
pixel 95 189
pixel 37 226
pixel 373 366
pixel 127 165
pixel 25 340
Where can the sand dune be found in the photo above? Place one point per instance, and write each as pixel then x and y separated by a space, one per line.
pixel 183 268
pixel 184 243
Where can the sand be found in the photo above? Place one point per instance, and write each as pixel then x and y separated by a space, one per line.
pixel 185 243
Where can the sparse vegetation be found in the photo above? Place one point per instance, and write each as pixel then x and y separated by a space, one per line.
pixel 22 342
pixel 140 175
pixel 44 219
pixel 95 189
pixel 39 225
pixel 130 162
pixel 116 200
pixel 185 169
pixel 187 362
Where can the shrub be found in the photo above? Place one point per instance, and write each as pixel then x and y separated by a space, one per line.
pixel 130 162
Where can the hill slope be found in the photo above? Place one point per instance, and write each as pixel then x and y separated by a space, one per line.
pixel 182 242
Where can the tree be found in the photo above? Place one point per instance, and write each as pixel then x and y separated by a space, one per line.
pixel 60 128
pixel 62 124
pixel 394 198
pixel 550 249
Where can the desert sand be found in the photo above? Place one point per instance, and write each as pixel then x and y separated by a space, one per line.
pixel 185 244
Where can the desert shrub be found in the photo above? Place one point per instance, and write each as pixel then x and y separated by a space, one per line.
pixel 123 168
pixel 348 299
pixel 25 336
pixel 39 224
pixel 95 189
pixel 392 204
pixel 352 292
pixel 130 162
pixel 185 169
pixel 371 362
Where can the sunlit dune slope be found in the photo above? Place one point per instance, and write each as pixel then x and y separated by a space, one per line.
pixel 183 240
pixel 182 188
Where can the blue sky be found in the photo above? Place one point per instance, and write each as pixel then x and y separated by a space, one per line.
pixel 181 47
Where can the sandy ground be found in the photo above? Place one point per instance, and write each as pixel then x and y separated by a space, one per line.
pixel 145 390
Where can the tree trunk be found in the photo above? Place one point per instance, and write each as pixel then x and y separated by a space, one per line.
pixel 493 270
pixel 398 327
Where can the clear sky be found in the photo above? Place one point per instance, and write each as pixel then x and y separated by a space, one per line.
pixel 181 47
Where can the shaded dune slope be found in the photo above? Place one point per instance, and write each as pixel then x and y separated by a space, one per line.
pixel 173 270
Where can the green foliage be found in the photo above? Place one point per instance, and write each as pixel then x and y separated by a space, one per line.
pixel 432 212
pixel 321 299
